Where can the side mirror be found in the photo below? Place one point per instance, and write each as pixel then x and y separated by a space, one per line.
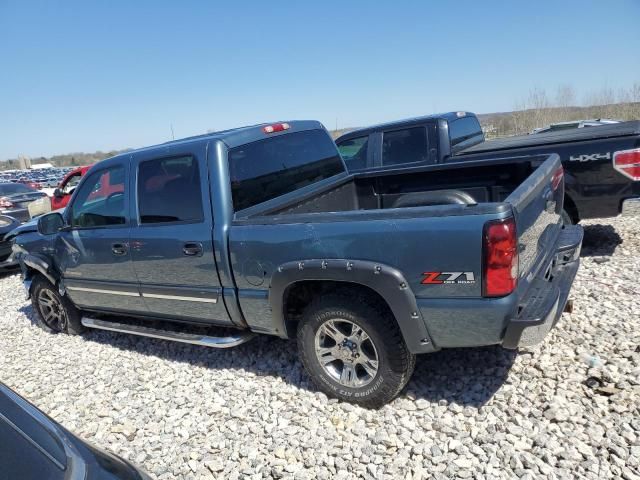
pixel 50 223
pixel 58 193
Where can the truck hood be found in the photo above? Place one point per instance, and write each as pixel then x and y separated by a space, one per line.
pixel 30 226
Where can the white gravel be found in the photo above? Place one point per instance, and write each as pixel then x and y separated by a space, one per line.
pixel 190 412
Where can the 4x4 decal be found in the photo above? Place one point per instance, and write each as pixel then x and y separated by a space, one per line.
pixel 590 157
pixel 439 278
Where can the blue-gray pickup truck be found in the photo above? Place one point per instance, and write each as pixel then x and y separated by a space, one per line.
pixel 261 230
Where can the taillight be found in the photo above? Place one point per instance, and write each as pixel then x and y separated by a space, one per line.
pixel 627 162
pixel 5 203
pixel 500 269
pixel 276 127
pixel 557 178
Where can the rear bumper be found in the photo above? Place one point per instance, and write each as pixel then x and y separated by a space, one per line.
pixel 631 207
pixel 545 301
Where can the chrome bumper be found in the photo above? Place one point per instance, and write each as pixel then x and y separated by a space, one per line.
pixel 631 207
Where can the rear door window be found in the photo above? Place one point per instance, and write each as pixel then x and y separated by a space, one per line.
pixel 408 145
pixel 275 166
pixel 354 152
pixel 169 191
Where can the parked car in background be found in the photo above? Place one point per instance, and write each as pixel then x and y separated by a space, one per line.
pixel 22 202
pixel 7 224
pixel 63 192
pixel 594 122
pixel 602 165
pixel 33 446
pixel 366 270
pixel 30 183
pixel 51 182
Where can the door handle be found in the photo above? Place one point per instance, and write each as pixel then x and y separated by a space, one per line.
pixel 119 249
pixel 192 249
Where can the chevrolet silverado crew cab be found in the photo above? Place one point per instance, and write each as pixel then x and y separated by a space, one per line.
pixel 602 164
pixel 213 239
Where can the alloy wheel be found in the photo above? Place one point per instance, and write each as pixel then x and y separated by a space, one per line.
pixel 346 352
pixel 52 311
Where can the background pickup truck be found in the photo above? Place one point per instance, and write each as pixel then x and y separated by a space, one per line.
pixel 262 230
pixel 602 164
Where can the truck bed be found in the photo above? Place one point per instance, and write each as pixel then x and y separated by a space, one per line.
pixel 561 136
pixel 466 184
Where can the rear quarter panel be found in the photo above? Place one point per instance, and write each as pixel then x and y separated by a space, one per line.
pixel 412 244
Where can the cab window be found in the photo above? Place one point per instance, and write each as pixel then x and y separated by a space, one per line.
pixel 275 166
pixel 464 129
pixel 101 200
pixel 71 184
pixel 408 145
pixel 354 152
pixel 169 191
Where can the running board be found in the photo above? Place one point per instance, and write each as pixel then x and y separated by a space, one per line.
pixel 195 339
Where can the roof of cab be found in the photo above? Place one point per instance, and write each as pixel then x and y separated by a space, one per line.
pixel 448 116
pixel 242 135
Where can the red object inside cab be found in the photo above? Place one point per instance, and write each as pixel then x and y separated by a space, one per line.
pixel 63 193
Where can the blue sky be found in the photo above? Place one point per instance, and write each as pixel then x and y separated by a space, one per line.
pixel 89 75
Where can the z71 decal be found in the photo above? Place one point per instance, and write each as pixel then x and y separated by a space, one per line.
pixel 590 157
pixel 439 278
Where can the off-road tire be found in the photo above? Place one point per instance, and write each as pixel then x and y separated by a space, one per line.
pixel 395 362
pixel 72 324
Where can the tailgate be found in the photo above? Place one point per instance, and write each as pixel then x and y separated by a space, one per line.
pixel 537 205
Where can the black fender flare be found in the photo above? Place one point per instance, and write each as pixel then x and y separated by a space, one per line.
pixel 33 262
pixel 386 281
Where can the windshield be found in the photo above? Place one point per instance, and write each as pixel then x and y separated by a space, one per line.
pixel 13 188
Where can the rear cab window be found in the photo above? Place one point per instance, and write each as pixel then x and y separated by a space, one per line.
pixel 266 169
pixel 464 132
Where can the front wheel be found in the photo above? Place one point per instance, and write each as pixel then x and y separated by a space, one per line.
pixel 56 314
pixel 353 350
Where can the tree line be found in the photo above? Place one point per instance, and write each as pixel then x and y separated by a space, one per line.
pixel 539 109
pixel 66 160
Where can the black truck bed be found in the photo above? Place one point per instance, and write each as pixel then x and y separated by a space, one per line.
pixel 561 136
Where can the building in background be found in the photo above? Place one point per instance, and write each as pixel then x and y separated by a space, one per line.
pixel 24 162
pixel 40 166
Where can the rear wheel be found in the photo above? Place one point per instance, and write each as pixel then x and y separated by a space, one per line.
pixel 353 350
pixel 56 314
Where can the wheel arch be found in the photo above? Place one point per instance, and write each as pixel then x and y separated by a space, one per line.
pixel 34 265
pixel 294 284
pixel 570 206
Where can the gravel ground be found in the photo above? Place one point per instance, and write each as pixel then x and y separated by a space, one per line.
pixel 190 412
